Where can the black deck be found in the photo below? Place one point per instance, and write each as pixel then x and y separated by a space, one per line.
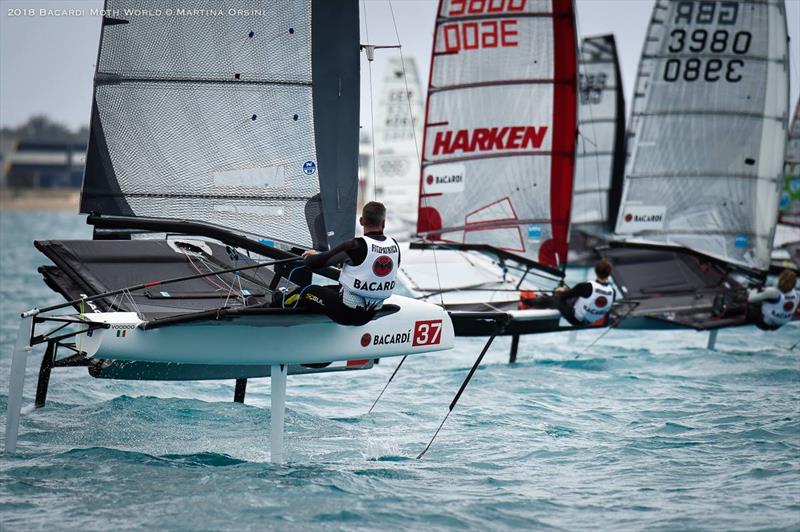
pixel 95 266
pixel 674 289
pixel 90 267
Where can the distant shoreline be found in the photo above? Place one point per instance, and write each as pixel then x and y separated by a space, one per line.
pixel 39 199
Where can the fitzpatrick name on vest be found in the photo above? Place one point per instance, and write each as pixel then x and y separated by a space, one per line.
pixel 373 286
pixel 389 339
pixel 387 249
pixel 382 266
pixel 489 139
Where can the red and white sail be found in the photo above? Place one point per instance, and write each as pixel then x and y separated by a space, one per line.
pixel 500 128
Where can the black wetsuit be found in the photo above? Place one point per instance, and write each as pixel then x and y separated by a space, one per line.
pixel 328 298
pixel 564 301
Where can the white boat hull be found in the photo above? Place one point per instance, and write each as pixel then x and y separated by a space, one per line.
pixel 259 340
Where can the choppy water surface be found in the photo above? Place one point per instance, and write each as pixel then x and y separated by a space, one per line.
pixel 645 430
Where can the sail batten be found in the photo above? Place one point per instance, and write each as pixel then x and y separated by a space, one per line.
pixel 709 113
pixel 499 137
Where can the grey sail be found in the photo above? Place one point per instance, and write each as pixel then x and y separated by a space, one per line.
pixel 709 120
pixel 247 121
pixel 600 156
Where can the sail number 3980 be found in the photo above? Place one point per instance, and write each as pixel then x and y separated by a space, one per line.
pixel 700 40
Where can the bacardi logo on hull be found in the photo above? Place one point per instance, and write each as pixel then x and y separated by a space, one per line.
pixel 368 339
pixel 483 139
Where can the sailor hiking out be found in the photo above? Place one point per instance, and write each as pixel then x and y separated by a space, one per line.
pixel 774 306
pixel 369 270
pixel 585 303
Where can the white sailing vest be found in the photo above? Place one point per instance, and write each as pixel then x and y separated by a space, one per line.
pixel 371 282
pixel 592 308
pixel 780 312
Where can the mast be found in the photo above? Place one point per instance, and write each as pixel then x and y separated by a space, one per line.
pixel 500 127
pixel 709 120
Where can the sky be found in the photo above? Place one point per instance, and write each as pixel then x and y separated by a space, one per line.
pixel 47 62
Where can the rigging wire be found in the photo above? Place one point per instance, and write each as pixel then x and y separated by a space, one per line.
pixel 387 383
pixel 405 82
pixel 371 108
pixel 414 131
pixel 458 394
pixel 633 306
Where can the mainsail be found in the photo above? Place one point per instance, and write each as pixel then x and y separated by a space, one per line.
pixel 708 127
pixel 600 157
pixel 247 119
pixel 500 127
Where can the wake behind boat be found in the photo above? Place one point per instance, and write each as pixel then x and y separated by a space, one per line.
pixel 204 133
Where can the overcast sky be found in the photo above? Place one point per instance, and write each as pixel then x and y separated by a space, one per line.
pixel 47 63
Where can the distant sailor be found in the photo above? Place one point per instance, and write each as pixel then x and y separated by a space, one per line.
pixel 368 275
pixel 774 306
pixel 584 303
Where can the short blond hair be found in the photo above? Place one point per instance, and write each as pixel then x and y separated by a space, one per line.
pixel 787 281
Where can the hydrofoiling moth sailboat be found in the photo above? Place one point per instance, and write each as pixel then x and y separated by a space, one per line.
pixel 700 199
pixel 209 130
pixel 497 164
pixel 600 155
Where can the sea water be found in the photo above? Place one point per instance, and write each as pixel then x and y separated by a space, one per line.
pixel 643 430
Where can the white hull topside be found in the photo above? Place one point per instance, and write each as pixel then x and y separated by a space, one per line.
pixel 417 327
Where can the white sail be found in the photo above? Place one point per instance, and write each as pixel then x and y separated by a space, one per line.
pixel 501 120
pixel 708 127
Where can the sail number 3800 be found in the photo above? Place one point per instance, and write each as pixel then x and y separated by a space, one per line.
pixel 460 35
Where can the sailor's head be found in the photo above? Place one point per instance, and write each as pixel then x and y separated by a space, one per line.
pixel 602 269
pixel 787 281
pixel 373 216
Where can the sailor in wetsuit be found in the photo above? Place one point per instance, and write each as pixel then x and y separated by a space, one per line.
pixel 584 303
pixel 774 306
pixel 368 275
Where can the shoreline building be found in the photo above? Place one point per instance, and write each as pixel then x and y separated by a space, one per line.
pixel 32 164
